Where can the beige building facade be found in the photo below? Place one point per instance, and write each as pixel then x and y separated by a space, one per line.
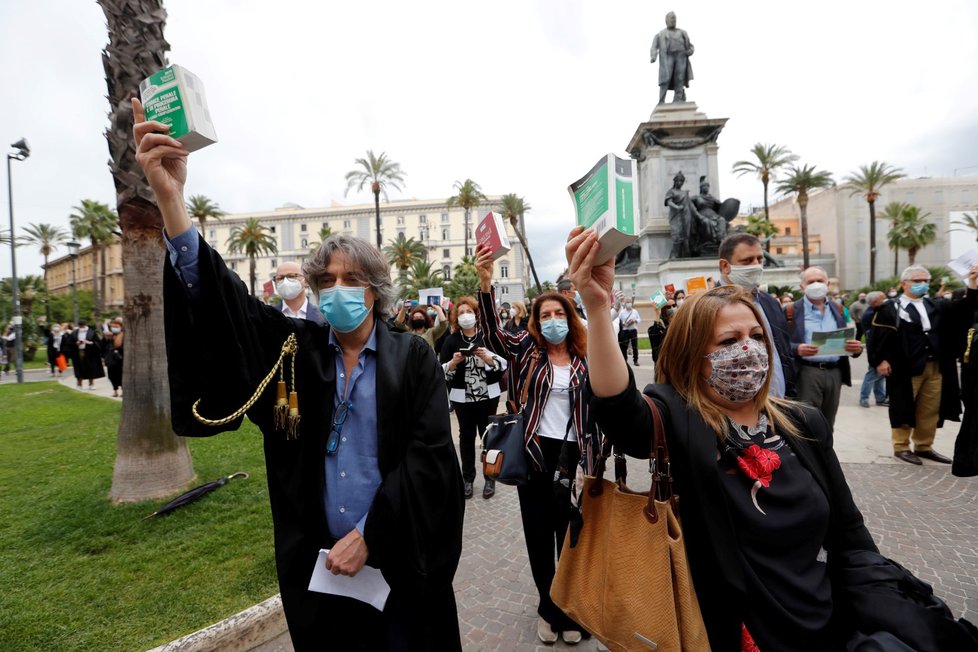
pixel 838 223
pixel 59 273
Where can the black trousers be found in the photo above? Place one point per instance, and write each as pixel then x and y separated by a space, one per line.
pixel 624 338
pixel 544 527
pixel 472 421
pixel 114 373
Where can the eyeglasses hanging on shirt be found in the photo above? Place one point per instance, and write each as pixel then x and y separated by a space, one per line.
pixel 339 418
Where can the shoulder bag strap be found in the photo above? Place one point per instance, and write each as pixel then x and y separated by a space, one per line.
pixel 659 465
pixel 529 378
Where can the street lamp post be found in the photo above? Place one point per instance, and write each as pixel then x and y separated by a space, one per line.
pixel 73 248
pixel 23 151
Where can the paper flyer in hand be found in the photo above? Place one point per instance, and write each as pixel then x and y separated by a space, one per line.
pixel 695 284
pixel 367 586
pixel 658 299
pixel 962 264
pixel 430 296
pixel 491 233
pixel 833 342
pixel 606 200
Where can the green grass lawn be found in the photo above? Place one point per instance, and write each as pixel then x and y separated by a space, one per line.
pixel 79 573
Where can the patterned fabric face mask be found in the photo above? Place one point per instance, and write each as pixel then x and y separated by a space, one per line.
pixel 739 370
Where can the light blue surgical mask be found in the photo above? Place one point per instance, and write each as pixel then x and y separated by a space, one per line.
pixel 554 330
pixel 920 289
pixel 343 307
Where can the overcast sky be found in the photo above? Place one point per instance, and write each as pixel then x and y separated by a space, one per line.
pixel 520 95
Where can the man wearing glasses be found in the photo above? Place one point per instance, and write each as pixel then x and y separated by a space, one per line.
pixel 290 285
pixel 911 343
pixel 360 460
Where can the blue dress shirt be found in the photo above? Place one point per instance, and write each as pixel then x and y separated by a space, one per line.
pixel 817 321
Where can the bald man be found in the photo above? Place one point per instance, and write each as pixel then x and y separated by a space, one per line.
pixel 290 284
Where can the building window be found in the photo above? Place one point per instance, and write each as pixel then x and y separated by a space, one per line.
pixel 212 234
pixel 469 231
pixel 504 270
pixel 787 230
pixel 423 219
pixel 423 233
pixel 234 266
pixel 778 250
pixel 302 227
pixel 468 252
pixel 446 253
pixel 400 220
pixel 273 263
pixel 447 272
pixel 444 234
pixel 272 229
pixel 305 243
pixel 346 224
pixel 325 225
pixel 503 289
pixel 444 217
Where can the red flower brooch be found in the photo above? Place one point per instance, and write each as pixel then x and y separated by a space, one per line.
pixel 758 464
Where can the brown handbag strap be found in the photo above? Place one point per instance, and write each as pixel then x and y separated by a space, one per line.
pixel 529 377
pixel 659 465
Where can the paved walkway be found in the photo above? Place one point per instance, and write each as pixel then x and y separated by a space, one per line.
pixel 921 516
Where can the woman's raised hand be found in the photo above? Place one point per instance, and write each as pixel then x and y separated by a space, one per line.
pixel 595 283
pixel 484 263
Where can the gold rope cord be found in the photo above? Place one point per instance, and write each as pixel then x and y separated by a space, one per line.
pixel 289 347
pixel 967 351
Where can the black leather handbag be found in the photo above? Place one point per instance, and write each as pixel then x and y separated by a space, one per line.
pixel 504 442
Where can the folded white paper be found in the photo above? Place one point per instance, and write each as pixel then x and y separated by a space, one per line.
pixel 962 264
pixel 367 586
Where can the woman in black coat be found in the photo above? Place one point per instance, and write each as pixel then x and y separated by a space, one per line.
pixel 84 346
pixel 763 501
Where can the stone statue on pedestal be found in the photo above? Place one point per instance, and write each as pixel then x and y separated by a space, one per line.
pixel 673 48
pixel 697 224
pixel 680 218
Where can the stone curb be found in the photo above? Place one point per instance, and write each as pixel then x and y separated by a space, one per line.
pixel 261 627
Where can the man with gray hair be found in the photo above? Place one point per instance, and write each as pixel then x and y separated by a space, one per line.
pixel 358 444
pixel 911 345
pixel 820 377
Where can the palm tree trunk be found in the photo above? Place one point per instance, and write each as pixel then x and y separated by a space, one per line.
pixel 803 206
pixel 96 310
pixel 252 275
pixel 912 254
pixel 151 461
pixel 101 292
pixel 529 258
pixel 380 243
pixel 47 304
pixel 767 217
pixel 872 242
pixel 466 229
pixel 896 261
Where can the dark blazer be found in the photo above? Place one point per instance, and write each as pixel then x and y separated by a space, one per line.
pixel 414 527
pixel 709 532
pixel 312 312
pixel 889 340
pixel 782 341
pixel 798 336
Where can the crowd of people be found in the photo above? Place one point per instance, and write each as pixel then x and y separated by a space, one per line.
pixel 361 457
pixel 90 351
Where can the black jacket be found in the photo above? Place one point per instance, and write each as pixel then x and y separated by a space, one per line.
pixel 709 532
pixel 414 527
pixel 453 343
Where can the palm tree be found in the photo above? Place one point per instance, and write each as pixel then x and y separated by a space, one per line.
pixel 250 239
pixel 151 461
pixel 381 173
pixel 868 181
pixel 465 279
pixel 420 277
pixel 894 238
pixel 324 234
pixel 203 208
pixel 513 210
pixel 800 181
pixel 47 238
pixel 968 223
pixel 916 231
pixel 403 252
pixel 97 222
pixel 770 158
pixel 761 228
pixel 469 195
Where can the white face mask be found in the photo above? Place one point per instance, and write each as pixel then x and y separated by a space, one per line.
pixel 746 276
pixel 466 320
pixel 816 291
pixel 289 288
pixel 115 330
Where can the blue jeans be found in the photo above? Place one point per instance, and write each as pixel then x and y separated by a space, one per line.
pixel 873 381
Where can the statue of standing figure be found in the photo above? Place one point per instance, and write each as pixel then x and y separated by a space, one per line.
pixel 673 48
pixel 680 217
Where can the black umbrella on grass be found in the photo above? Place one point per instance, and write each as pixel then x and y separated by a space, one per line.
pixel 195 493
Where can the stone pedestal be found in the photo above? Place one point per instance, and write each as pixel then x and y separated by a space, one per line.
pixel 677 137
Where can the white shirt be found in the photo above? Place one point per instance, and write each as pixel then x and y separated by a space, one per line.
pixel 301 314
pixel 557 411
pixel 921 310
pixel 626 316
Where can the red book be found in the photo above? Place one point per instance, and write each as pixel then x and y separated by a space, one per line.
pixel 491 233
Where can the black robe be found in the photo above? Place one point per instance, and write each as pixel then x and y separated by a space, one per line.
pixel 87 365
pixel 886 340
pixel 220 347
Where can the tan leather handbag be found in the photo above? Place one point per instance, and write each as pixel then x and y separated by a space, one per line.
pixel 627 580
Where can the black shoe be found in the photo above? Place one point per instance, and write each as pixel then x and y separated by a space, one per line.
pixel 637 365
pixel 933 456
pixel 883 403
pixel 468 489
pixel 489 490
pixel 907 456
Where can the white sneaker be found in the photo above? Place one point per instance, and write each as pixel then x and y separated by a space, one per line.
pixel 571 637
pixel 545 632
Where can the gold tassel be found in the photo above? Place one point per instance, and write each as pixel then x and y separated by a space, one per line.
pixel 281 406
pixel 967 351
pixel 293 431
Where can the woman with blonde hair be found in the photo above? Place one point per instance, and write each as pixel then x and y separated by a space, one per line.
pixel 763 501
pixel 517 317
pixel 549 361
